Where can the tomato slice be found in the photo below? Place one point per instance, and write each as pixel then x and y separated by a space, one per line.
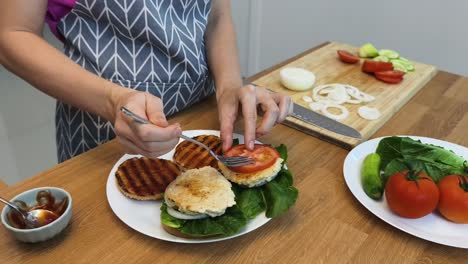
pixel 390 74
pixel 371 66
pixel 347 57
pixel 264 157
pixel 389 79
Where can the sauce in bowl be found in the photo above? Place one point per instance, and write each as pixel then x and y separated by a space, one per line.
pixel 45 200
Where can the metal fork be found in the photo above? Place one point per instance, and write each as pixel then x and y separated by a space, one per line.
pixel 234 161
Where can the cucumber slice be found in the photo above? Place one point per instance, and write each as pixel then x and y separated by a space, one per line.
pixel 405 63
pixel 381 58
pixel 397 65
pixel 405 60
pixel 389 53
pixel 368 51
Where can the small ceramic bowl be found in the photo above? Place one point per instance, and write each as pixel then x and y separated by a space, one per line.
pixel 44 232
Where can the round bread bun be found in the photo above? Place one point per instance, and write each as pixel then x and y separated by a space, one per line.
pixel 189 155
pixel 200 191
pixel 145 178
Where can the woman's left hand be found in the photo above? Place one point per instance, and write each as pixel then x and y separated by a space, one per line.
pixel 252 99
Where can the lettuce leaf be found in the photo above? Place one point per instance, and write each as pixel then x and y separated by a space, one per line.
pixel 250 201
pixel 403 153
pixel 230 223
pixel 279 194
pixel 168 219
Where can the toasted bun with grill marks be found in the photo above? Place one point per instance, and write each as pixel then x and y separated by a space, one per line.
pixel 189 155
pixel 145 178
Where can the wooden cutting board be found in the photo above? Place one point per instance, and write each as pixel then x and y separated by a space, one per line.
pixel 326 66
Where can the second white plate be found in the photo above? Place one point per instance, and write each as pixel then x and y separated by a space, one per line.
pixel 432 227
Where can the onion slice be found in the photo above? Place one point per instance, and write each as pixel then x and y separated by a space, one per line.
pixel 369 113
pixel 297 79
pixel 307 99
pixel 344 111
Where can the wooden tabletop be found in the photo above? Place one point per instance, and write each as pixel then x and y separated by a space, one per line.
pixel 327 224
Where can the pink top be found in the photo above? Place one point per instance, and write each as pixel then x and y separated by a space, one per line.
pixel 56 10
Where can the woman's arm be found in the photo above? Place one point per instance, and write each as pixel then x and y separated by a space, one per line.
pixel 24 52
pixel 224 65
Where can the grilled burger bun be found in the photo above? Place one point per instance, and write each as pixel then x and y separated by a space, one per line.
pixel 197 194
pixel 145 178
pixel 252 179
pixel 189 155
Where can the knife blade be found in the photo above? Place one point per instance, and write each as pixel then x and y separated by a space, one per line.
pixel 322 121
pixel 313 118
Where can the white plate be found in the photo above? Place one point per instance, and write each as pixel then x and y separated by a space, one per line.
pixel 432 227
pixel 144 216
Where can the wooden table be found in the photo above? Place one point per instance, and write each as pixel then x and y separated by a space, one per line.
pixel 327 224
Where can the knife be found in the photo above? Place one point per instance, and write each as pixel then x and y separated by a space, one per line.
pixel 322 121
pixel 319 120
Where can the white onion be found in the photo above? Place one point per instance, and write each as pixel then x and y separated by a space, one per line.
pixel 344 111
pixel 307 99
pixel 316 106
pixel 297 79
pixel 369 113
pixel 183 216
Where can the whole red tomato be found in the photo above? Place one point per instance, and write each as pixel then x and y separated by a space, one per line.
pixel 411 194
pixel 453 203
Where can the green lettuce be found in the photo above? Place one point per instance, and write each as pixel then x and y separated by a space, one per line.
pixel 273 198
pixel 403 153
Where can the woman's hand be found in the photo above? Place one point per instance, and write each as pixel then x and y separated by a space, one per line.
pixel 274 107
pixel 150 140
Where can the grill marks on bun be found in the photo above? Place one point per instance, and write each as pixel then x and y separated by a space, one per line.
pixel 145 178
pixel 189 155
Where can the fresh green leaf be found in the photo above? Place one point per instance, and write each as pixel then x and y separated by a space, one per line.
pixel 389 149
pixel 250 201
pixel 403 153
pixel 230 223
pixel 283 151
pixel 235 142
pixel 279 195
pixel 168 219
pixel 284 177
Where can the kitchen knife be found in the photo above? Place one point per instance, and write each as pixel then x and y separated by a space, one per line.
pixel 322 121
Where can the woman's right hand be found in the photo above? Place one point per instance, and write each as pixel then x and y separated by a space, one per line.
pixel 150 140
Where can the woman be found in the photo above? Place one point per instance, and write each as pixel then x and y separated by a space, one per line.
pixel 171 53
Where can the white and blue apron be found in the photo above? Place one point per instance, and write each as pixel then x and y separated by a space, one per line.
pixel 155 46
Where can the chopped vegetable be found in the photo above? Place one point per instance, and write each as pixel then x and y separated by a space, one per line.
pixel 371 66
pixel 344 111
pixel 389 53
pixel 307 99
pixel 369 113
pixel 347 57
pixel 368 51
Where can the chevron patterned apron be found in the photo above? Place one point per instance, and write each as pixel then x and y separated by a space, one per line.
pixel 156 46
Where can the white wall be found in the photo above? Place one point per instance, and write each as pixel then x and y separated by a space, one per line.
pixel 27 131
pixel 432 31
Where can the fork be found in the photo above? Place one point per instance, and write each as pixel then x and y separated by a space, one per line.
pixel 234 161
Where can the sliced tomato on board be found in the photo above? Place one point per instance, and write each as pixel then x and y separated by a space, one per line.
pixel 390 74
pixel 264 157
pixel 370 66
pixel 347 57
pixel 389 79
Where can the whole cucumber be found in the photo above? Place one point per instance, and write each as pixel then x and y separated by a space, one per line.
pixel 370 176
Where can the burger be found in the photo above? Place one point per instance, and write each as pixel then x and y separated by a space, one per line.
pixel 197 196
